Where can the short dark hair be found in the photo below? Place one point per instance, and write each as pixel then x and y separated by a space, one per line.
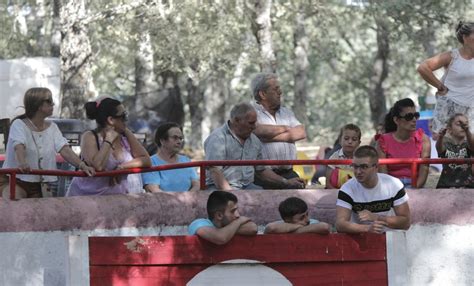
pixel 240 110
pixel 352 127
pixel 366 151
pixel 218 201
pixel 161 132
pixel 292 206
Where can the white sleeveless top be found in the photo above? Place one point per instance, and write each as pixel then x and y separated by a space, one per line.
pixel 459 78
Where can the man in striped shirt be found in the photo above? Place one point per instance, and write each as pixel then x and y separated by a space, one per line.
pixel 277 126
pixel 365 202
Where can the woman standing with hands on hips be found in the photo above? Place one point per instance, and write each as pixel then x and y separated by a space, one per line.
pixel 112 146
pixel 34 142
pixel 456 87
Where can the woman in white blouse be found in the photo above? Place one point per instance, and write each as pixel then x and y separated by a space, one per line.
pixel 34 142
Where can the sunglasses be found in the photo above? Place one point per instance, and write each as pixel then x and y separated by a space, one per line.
pixel 123 116
pixel 410 116
pixel 363 167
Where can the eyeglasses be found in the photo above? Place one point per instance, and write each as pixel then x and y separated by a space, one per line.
pixel 363 167
pixel 123 116
pixel 410 116
pixel 176 138
pixel 49 101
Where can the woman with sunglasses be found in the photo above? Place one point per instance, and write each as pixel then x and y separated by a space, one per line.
pixel 112 146
pixel 403 140
pixel 456 87
pixel 170 140
pixel 33 143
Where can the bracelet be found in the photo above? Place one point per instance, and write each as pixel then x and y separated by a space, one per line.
pixel 110 143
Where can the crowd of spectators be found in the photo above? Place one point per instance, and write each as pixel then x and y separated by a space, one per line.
pixel 371 196
pixel 255 131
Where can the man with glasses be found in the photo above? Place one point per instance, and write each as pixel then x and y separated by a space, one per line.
pixel 365 203
pixel 277 127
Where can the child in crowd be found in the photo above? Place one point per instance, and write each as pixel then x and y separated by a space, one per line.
pixel 337 175
pixel 294 212
pixel 456 141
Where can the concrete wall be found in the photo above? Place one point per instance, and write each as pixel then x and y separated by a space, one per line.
pixel 37 248
pixel 18 75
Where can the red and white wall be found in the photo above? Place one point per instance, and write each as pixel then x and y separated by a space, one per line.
pixel 46 241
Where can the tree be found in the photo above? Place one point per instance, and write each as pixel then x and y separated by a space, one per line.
pixel 379 73
pixel 301 65
pixel 262 28
pixel 76 59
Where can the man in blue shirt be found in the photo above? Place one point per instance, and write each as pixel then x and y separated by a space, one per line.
pixel 224 220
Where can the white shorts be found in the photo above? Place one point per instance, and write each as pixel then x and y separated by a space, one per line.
pixel 445 108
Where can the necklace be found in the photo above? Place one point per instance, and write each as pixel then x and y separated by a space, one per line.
pixel 33 125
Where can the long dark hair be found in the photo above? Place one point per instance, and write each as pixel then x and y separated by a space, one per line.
pixel 101 109
pixel 389 124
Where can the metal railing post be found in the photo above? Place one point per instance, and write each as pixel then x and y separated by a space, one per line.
pixel 12 185
pixel 202 176
pixel 414 174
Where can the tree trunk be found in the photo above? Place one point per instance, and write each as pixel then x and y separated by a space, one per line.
pixel 217 96
pixel 146 87
pixel 195 100
pixel 56 30
pixel 169 106
pixel 262 29
pixel 379 73
pixel 301 66
pixel 38 45
pixel 76 56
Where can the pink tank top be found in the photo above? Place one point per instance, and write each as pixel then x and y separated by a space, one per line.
pixel 394 149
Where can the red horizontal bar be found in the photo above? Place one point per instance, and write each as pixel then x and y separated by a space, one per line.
pixel 391 161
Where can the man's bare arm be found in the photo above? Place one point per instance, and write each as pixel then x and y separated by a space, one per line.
pixel 320 228
pixel 248 228
pixel 401 220
pixel 281 227
pixel 267 175
pixel 219 179
pixel 224 234
pixel 280 133
pixel 292 135
pixel 344 224
pixel 266 132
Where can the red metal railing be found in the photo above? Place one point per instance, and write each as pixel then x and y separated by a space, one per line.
pixel 413 162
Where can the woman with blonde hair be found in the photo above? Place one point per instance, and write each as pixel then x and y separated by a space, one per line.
pixel 34 142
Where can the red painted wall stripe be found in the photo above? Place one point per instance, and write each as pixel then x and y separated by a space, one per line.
pixel 306 259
